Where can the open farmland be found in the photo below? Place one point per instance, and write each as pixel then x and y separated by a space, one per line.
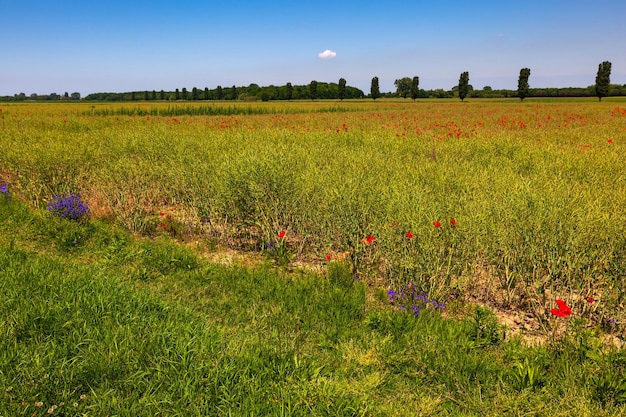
pixel 537 190
pixel 502 203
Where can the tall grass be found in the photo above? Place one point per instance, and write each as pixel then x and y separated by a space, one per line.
pixel 537 190
pixel 116 325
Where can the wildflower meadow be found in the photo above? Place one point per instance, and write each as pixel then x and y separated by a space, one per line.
pixel 314 258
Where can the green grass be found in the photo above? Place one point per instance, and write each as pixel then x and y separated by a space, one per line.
pixel 120 325
pixel 537 188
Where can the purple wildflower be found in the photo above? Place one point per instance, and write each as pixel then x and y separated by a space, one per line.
pixel 416 309
pixel 69 206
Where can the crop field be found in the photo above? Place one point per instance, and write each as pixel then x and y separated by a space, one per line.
pixel 536 192
pixel 425 207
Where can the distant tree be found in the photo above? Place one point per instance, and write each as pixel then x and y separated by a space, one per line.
pixel 342 88
pixel 219 93
pixel 375 88
pixel 313 90
pixel 233 93
pixel 206 93
pixel 403 87
pixel 153 96
pixel 288 91
pixel 522 84
pixel 415 88
pixel 463 85
pixel 603 80
pixel 184 95
pixel 162 95
pixel 194 93
pixel 133 96
pixel 75 96
pixel 177 95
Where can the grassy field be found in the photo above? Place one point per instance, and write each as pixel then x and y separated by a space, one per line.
pixel 402 215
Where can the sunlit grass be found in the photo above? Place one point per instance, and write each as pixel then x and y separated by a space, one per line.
pixel 120 325
pixel 537 189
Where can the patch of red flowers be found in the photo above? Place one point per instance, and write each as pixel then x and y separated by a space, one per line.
pixel 590 300
pixel 328 256
pixel 409 235
pixel 282 234
pixel 370 239
pixel 452 222
pixel 562 311
pixel 437 224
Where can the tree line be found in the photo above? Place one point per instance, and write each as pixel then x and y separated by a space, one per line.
pixel 410 87
pixel 405 87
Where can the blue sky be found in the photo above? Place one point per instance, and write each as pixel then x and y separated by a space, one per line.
pixel 134 45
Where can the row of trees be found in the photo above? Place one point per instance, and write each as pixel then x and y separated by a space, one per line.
pixel 42 97
pixel 405 87
pixel 315 90
pixel 602 88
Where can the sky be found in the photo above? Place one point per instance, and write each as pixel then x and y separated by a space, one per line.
pixel 89 46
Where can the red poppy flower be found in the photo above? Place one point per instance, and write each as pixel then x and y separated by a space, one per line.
pixel 590 299
pixel 437 224
pixel 409 235
pixel 370 239
pixel 282 234
pixel 328 256
pixel 452 222
pixel 562 311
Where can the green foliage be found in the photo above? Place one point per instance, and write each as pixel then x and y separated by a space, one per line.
pixel 415 89
pixel 288 91
pixel 375 89
pixel 403 87
pixel 91 338
pixel 522 83
pixel 313 90
pixel 484 329
pixel 603 80
pixel 464 85
pixel 342 88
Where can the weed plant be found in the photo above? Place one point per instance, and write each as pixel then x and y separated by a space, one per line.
pixel 129 326
pixel 536 189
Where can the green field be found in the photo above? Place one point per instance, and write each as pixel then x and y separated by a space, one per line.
pixel 269 258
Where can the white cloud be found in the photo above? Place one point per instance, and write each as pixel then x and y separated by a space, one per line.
pixel 327 54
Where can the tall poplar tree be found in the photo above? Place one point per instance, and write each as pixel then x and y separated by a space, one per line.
pixel 522 83
pixel 288 91
pixel 342 88
pixel 463 85
pixel 375 89
pixel 415 87
pixel 313 90
pixel 603 80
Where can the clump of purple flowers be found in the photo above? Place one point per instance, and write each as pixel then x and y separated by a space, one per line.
pixel 4 191
pixel 410 299
pixel 68 206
